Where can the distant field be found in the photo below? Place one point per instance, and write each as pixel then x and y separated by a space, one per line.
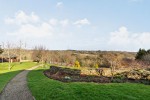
pixel 44 88
pixel 6 75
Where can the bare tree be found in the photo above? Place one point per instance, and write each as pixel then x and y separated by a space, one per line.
pixel 10 51
pixel 21 50
pixel 39 54
pixel 113 61
pixel 69 59
pixel 8 46
pixel 1 51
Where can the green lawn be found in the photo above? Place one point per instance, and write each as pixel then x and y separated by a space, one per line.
pixel 44 88
pixel 6 75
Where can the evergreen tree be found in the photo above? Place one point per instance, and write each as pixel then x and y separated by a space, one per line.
pixel 1 50
pixel 140 54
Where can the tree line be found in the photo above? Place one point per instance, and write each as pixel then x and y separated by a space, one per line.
pixel 143 54
pixel 92 59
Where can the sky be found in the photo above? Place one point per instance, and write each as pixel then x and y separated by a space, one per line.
pixel 118 25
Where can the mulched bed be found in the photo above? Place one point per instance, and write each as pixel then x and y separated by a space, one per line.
pixel 74 75
pixel 77 78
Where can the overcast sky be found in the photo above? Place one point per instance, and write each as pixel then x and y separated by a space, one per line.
pixel 77 24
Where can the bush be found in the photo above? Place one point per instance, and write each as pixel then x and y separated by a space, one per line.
pixel 1 50
pixel 77 64
pixel 96 66
pixel 140 54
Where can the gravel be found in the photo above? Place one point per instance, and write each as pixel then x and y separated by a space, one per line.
pixel 17 88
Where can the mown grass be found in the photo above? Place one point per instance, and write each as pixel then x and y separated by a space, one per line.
pixel 44 88
pixel 6 74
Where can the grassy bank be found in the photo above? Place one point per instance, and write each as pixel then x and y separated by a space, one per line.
pixel 6 75
pixel 44 88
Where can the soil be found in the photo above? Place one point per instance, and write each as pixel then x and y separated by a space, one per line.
pixel 66 75
pixel 77 78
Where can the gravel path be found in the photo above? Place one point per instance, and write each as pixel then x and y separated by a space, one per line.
pixel 17 88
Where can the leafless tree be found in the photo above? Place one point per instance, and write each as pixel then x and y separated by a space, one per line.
pixel 8 46
pixel 20 51
pixel 114 62
pixel 10 51
pixel 39 54
pixel 21 48
pixel 1 51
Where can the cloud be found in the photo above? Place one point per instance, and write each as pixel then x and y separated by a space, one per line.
pixel 30 25
pixel 64 22
pixel 122 38
pixel 29 30
pixel 82 22
pixel 59 5
pixel 47 31
pixel 22 18
pixel 53 21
